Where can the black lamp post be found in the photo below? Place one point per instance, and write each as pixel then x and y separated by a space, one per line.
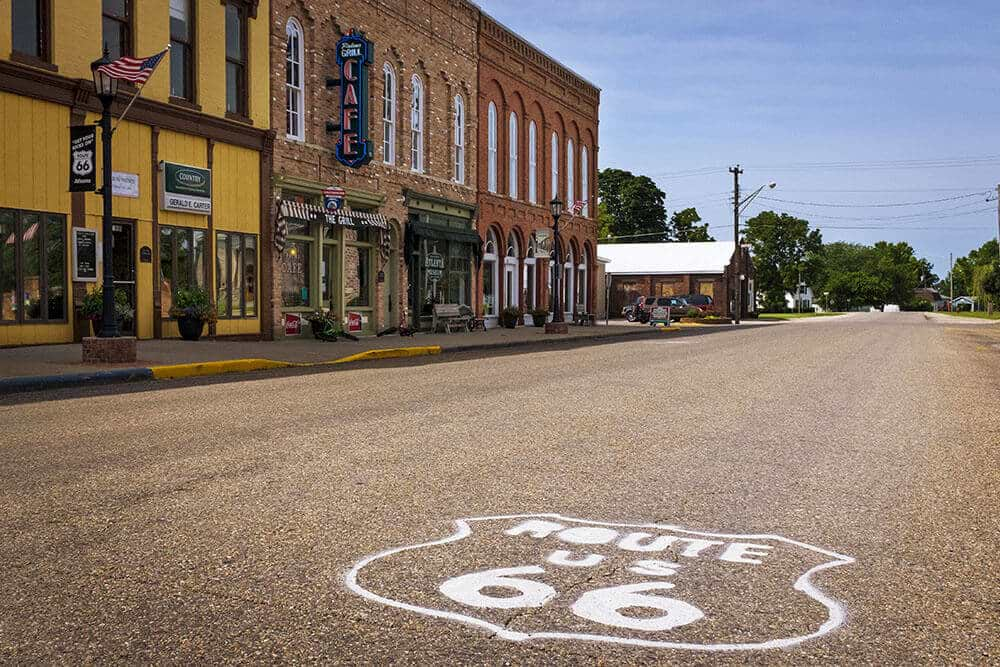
pixel 106 88
pixel 556 206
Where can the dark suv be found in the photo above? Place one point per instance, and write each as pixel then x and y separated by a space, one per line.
pixel 702 302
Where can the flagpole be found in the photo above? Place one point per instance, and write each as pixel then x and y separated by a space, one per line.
pixel 131 102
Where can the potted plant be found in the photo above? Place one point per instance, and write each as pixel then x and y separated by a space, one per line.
pixel 326 327
pixel 509 316
pixel 92 308
pixel 192 308
pixel 539 316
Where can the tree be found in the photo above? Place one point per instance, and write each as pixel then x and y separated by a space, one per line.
pixel 684 227
pixel 603 222
pixel 634 206
pixel 784 248
pixel 965 267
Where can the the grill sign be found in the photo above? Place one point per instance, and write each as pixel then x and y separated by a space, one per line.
pixel 354 56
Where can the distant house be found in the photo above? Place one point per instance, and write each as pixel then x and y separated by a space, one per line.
pixel 806 298
pixel 932 296
pixel 963 303
pixel 675 269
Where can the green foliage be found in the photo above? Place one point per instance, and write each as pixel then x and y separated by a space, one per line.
pixel 684 227
pixel 694 312
pixel 539 316
pixel 784 247
pixel 965 266
pixel 633 205
pixel 193 302
pixel 92 307
pixel 508 317
pixel 856 275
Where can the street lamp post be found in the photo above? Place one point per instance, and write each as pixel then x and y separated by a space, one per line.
pixel 740 205
pixel 557 325
pixel 106 88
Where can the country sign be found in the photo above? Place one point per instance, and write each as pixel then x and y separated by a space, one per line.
pixel 549 577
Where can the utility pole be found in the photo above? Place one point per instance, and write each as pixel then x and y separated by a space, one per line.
pixel 736 171
pixel 951 280
pixel 998 220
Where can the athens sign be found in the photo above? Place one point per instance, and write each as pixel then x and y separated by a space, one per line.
pixel 549 577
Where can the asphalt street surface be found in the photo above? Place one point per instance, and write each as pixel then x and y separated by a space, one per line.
pixel 822 491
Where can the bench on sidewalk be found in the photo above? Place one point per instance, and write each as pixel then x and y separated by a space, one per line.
pixel 449 316
pixel 585 319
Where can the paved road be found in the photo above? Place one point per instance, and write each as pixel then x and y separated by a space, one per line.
pixel 818 491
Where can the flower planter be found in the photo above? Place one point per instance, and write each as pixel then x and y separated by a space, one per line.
pixel 96 325
pixel 190 328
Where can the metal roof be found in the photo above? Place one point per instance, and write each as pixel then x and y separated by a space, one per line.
pixel 666 258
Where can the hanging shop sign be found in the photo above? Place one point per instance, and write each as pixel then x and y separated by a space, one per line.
pixel 354 56
pixel 434 265
pixel 333 199
pixel 86 255
pixel 82 158
pixel 186 189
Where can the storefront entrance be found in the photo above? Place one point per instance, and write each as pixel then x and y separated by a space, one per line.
pixel 123 267
pixel 441 262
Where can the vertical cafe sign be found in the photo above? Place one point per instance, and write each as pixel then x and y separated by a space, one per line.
pixel 354 56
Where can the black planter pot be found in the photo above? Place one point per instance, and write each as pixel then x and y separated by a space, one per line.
pixel 96 325
pixel 190 327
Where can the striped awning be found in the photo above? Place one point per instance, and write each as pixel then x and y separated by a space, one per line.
pixel 312 213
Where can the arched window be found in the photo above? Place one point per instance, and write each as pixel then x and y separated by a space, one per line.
pixel 555 165
pixel 491 148
pixel 388 114
pixel 417 125
pixel 294 91
pixel 511 291
pixel 459 140
pixel 529 276
pixel 512 156
pixel 490 275
pixel 570 185
pixel 569 269
pixel 581 281
pixel 532 163
pixel 585 181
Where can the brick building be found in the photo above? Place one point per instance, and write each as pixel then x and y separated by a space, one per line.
pixel 676 269
pixel 405 235
pixel 538 140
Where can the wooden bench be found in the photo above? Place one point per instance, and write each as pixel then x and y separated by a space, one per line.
pixel 449 316
pixel 585 319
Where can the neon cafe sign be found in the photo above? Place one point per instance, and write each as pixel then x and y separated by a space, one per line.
pixel 354 56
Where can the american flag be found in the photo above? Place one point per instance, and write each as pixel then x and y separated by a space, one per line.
pixel 577 208
pixel 136 70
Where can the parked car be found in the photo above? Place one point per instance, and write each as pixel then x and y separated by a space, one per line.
pixel 678 306
pixel 702 302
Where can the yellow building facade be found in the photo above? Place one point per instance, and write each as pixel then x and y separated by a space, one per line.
pixel 205 110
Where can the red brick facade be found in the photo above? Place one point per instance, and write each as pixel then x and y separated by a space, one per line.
pixel 433 40
pixel 519 79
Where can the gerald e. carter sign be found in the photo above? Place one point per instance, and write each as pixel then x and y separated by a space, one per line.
pixel 186 189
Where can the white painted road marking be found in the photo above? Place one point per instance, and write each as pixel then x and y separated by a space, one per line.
pixel 484 596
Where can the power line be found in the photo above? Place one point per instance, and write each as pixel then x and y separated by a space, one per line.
pixel 909 203
pixel 942 213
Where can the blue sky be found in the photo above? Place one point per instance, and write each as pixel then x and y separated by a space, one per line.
pixel 907 93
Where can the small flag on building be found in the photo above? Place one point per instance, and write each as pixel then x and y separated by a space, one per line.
pixel 135 70
pixel 578 207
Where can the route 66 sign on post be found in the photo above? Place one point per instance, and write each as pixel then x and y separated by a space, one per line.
pixel 82 158
pixel 548 577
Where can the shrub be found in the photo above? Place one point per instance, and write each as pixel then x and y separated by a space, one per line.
pixel 508 317
pixel 540 316
pixel 92 307
pixel 694 312
pixel 193 302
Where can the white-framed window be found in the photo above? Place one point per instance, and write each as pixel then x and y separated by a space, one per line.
pixel 530 275
pixel 491 148
pixel 567 286
pixel 459 140
pixel 555 165
pixel 585 181
pixel 581 281
pixel 388 114
pixel 532 163
pixel 490 275
pixel 511 290
pixel 570 184
pixel 294 89
pixel 512 156
pixel 417 125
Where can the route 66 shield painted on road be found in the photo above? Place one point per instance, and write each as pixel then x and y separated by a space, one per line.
pixel 546 577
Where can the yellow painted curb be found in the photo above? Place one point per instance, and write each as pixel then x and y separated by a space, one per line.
pixel 688 324
pixel 389 353
pixel 178 371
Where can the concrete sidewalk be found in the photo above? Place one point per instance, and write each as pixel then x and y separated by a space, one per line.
pixel 63 360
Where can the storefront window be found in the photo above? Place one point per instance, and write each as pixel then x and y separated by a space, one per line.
pixel 357 276
pixel 329 274
pixel 34 246
pixel 236 274
pixel 31 260
pixel 295 274
pixel 182 262
pixel 490 278
pixel 459 274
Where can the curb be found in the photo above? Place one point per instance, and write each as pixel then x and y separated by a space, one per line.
pixel 16 385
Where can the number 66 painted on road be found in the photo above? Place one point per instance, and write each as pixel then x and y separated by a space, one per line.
pixel 601 605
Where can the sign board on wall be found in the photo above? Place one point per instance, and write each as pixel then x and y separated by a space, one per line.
pixel 186 189
pixel 86 255
pixel 82 158
pixel 333 199
pixel 354 56
pixel 434 265
pixel 124 184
